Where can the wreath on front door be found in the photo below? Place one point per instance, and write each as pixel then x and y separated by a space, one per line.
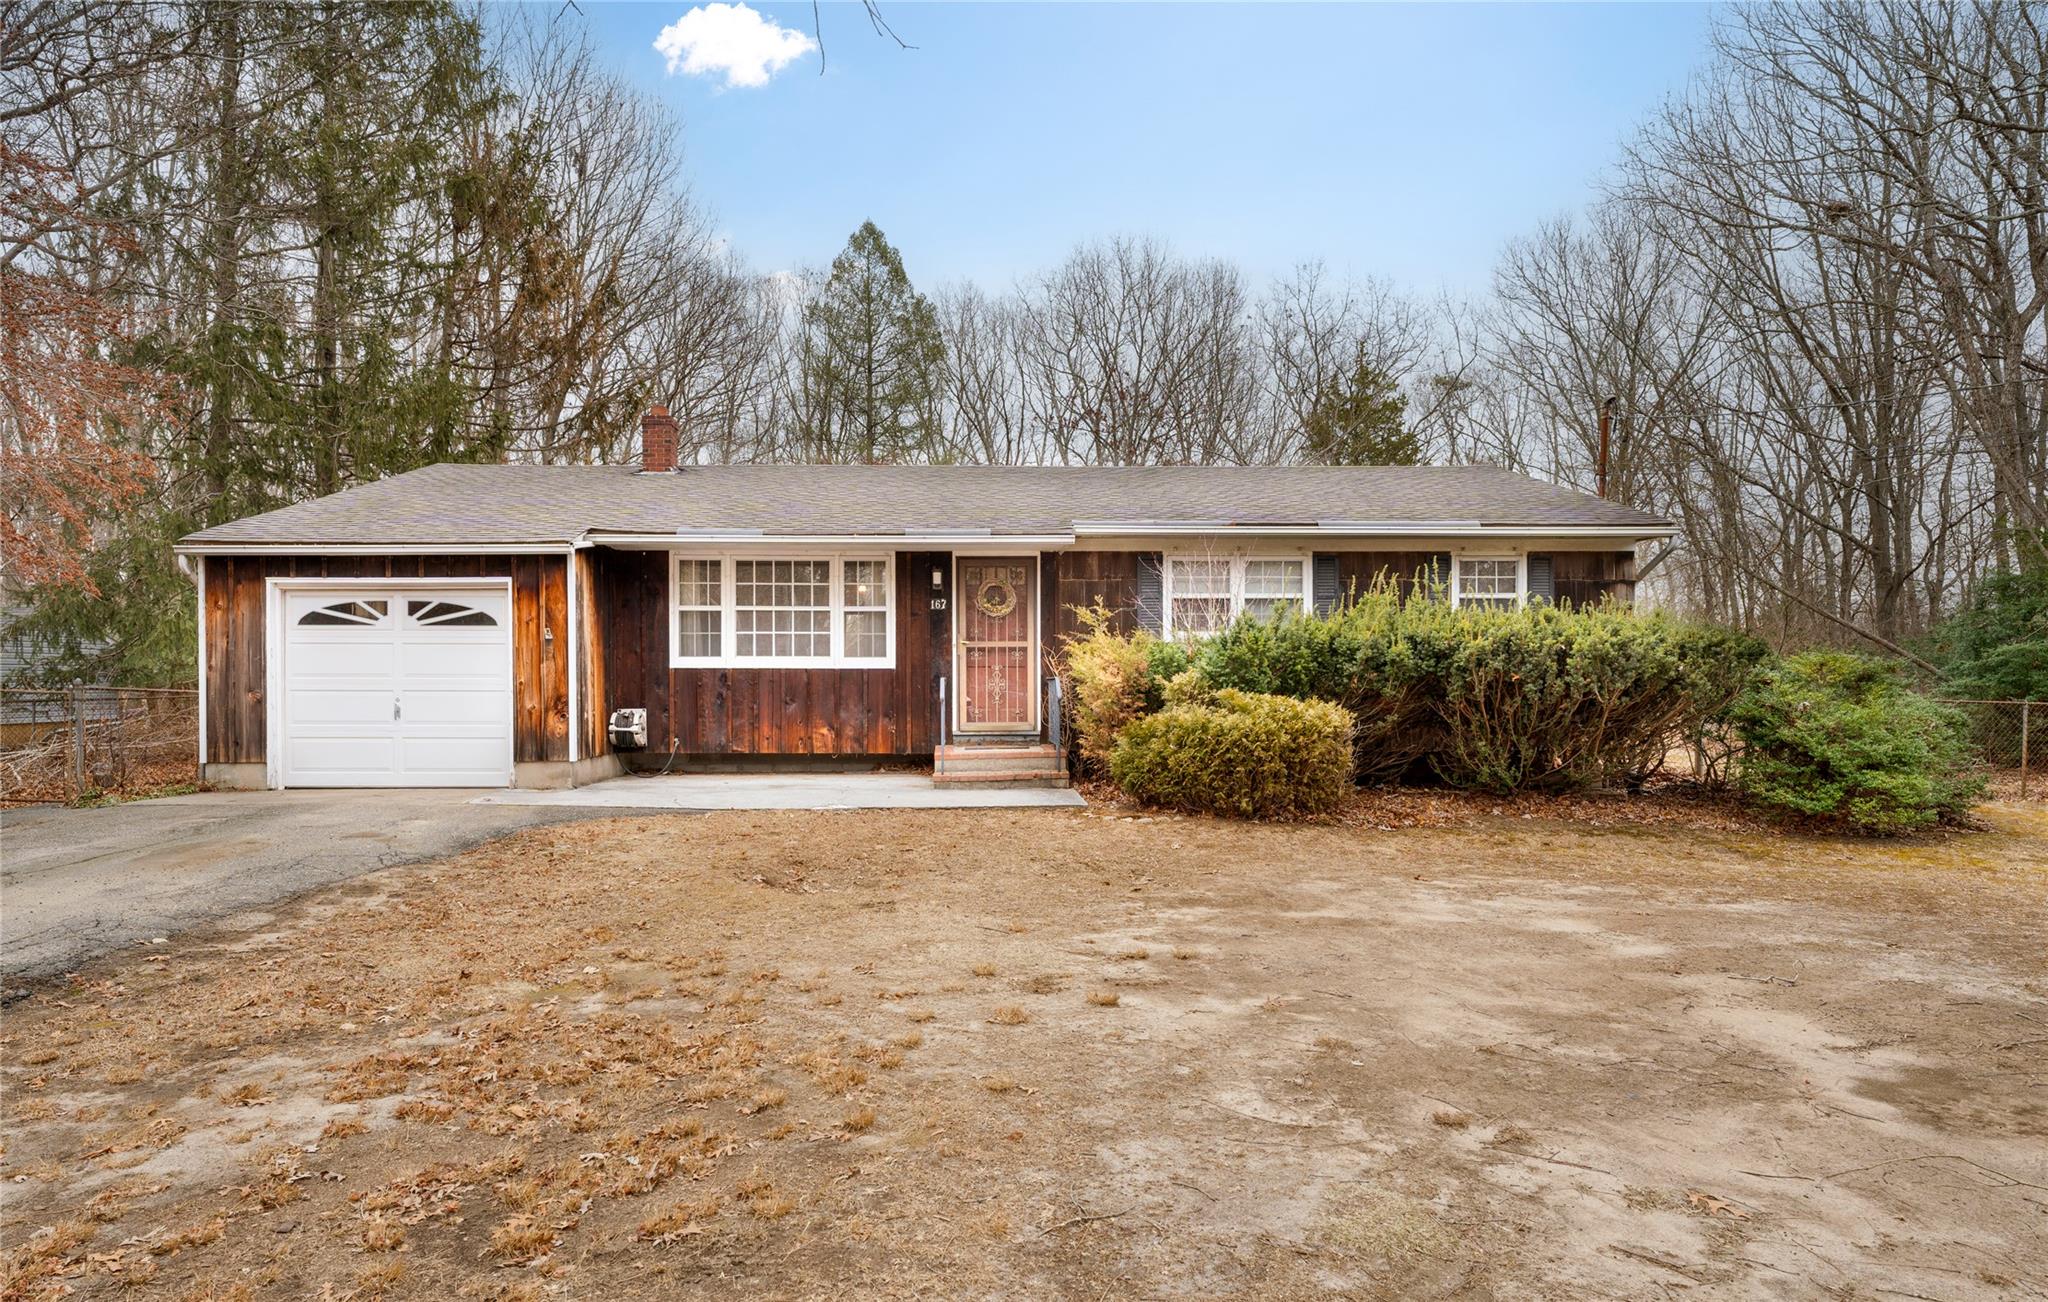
pixel 995 598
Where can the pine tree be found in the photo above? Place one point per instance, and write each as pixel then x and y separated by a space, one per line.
pixel 871 361
pixel 1358 420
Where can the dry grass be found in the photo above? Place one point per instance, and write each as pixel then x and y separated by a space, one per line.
pixel 539 1068
pixel 380 1235
pixel 521 1239
pixel 984 969
pixel 678 1219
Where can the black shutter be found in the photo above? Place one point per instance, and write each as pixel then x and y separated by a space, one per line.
pixel 1540 583
pixel 1151 594
pixel 1440 576
pixel 1324 592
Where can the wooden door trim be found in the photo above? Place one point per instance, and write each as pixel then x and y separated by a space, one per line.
pixel 957 703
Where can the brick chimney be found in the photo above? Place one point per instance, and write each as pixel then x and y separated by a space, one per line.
pixel 657 441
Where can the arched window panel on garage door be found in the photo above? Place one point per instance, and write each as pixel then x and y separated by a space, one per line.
pixel 348 614
pixel 449 614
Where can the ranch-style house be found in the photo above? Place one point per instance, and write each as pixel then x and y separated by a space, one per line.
pixel 487 625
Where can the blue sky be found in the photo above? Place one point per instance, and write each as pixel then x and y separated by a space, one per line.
pixel 1402 140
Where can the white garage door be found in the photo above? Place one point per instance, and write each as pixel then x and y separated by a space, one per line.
pixel 403 687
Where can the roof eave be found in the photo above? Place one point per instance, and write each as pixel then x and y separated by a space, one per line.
pixel 1386 529
pixel 220 547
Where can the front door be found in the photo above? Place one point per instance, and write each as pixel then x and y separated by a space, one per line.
pixel 997 642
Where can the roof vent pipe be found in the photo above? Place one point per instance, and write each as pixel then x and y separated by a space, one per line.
pixel 657 441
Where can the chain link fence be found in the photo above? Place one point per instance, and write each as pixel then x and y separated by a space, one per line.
pixel 2008 737
pixel 74 742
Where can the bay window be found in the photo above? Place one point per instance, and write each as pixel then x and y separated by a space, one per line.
pixel 1204 594
pixel 782 612
pixel 1488 581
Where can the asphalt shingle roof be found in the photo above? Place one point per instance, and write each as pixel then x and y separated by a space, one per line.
pixel 511 504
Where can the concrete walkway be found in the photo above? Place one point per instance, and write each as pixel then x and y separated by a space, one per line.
pixel 787 791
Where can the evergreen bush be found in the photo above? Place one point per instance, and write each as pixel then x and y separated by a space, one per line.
pixel 1112 679
pixel 1841 738
pixel 1501 700
pixel 1244 754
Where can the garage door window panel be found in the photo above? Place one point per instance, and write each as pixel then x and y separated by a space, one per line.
pixel 347 614
pixel 449 614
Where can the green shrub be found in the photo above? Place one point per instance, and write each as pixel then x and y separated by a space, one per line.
pixel 1841 738
pixel 1355 657
pixel 1500 700
pixel 1112 679
pixel 1245 754
pixel 1164 662
pixel 1551 697
pixel 1996 648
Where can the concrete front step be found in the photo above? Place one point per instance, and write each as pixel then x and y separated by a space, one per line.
pixel 995 765
pixel 1003 778
pixel 1022 762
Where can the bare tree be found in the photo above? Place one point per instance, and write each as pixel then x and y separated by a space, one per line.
pixel 1133 356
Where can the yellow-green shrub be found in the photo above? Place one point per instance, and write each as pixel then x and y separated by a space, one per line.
pixel 1111 679
pixel 1244 754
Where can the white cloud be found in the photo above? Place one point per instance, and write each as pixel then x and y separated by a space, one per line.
pixel 731 39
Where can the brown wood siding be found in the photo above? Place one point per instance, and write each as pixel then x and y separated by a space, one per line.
pixel 237 659
pixel 1587 578
pixel 845 712
pixel 1080 579
pixel 1358 571
pixel 596 740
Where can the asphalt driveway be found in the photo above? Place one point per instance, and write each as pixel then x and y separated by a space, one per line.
pixel 77 883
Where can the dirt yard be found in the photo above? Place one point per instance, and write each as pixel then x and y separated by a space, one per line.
pixel 1041 1053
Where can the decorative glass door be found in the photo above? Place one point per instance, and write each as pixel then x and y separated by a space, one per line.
pixel 998 682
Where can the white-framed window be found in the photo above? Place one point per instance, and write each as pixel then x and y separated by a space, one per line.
pixel 1266 587
pixel 1205 593
pixel 864 609
pixel 782 611
pixel 700 608
pixel 1488 581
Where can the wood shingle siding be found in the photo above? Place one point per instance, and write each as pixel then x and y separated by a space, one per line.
pixel 237 659
pixel 1083 578
pixel 1588 578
